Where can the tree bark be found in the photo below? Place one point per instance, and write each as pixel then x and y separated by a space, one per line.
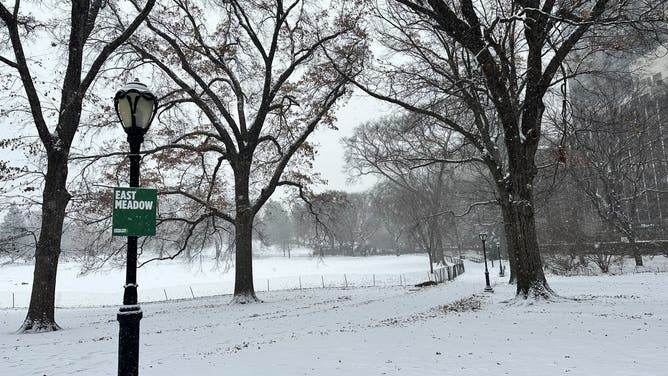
pixel 244 291
pixel 528 266
pixel 41 317
pixel 510 247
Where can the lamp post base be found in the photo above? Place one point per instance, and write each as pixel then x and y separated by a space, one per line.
pixel 488 287
pixel 128 340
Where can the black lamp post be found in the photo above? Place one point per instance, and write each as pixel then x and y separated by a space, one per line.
pixel 135 106
pixel 488 287
pixel 498 250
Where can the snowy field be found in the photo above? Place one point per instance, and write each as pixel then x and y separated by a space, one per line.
pixel 602 325
pixel 174 280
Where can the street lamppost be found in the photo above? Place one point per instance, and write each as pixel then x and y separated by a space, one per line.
pixel 483 237
pixel 498 251
pixel 136 107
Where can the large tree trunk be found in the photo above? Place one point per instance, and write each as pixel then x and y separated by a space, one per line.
pixel 510 245
pixel 40 317
pixel 528 266
pixel 244 291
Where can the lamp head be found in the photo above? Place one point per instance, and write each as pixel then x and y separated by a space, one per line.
pixel 483 236
pixel 135 106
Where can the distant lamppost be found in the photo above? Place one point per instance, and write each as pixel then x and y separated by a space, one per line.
pixel 488 287
pixel 498 251
pixel 136 107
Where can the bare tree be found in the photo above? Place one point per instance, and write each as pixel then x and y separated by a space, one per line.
pixel 403 152
pixel 333 218
pixel 89 44
pixel 276 226
pixel 484 71
pixel 391 215
pixel 358 223
pixel 247 87
pixel 317 220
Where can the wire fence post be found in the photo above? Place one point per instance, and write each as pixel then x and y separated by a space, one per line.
pixel 13 301
pixel 165 291
pixel 374 280
pixel 322 278
pixel 191 292
pixel 300 282
pixel 345 280
pixel 267 285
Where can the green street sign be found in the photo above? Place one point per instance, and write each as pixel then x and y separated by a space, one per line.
pixel 134 211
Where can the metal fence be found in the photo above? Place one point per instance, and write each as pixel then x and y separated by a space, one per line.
pixel 448 273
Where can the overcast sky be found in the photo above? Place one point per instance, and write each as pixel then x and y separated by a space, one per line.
pixel 329 161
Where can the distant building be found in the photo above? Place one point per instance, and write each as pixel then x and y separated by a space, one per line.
pixel 650 106
pixel 617 109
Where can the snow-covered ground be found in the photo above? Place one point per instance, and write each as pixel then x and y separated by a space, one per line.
pixel 603 325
